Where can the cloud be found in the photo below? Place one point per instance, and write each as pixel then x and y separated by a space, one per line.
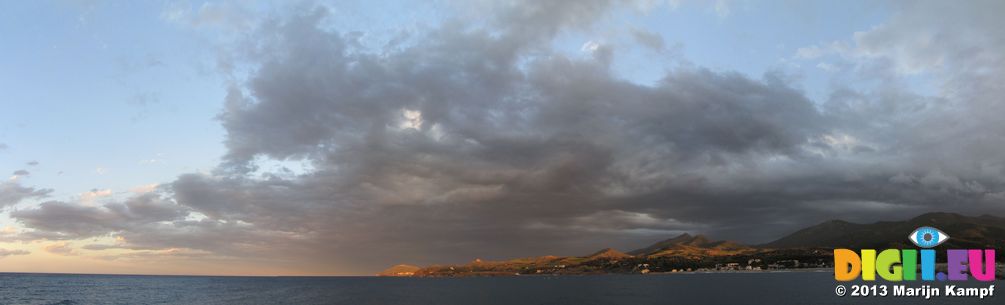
pixel 12 192
pixel 9 234
pixel 146 188
pixel 483 140
pixel 827 67
pixel 3 147
pixel 101 247
pixel 6 253
pixel 223 15
pixel 811 52
pixel 148 255
pixel 61 220
pixel 61 248
pixel 494 155
pixel 89 196
pixel 650 40
pixel 913 44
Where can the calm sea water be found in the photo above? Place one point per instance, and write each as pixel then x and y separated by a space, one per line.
pixel 739 288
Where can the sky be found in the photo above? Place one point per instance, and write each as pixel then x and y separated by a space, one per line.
pixel 340 138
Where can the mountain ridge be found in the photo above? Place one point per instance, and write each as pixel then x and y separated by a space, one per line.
pixel 964 232
pixel 809 246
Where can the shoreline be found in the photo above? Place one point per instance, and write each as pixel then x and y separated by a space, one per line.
pixel 500 274
pixel 745 271
pixel 999 274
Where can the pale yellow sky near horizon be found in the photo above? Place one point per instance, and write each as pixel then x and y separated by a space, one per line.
pixel 44 256
pixel 159 263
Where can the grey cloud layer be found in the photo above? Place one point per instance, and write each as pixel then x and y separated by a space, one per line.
pixel 12 192
pixel 61 220
pixel 469 141
pixel 6 253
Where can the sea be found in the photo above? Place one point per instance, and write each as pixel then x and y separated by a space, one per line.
pixel 698 288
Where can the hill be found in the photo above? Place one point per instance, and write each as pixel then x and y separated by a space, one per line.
pixel 399 270
pixel 692 246
pixel 964 232
pixel 608 253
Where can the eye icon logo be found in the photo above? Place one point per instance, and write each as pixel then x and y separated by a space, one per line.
pixel 927 237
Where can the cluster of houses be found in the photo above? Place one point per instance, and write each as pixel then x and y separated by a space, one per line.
pixel 754 264
pixel 554 267
pixel 757 264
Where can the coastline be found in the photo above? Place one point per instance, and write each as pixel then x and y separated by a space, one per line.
pixel 506 274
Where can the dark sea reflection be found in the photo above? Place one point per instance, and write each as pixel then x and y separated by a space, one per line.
pixel 734 288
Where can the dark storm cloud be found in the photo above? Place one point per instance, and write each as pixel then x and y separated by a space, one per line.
pixel 451 142
pixel 474 141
